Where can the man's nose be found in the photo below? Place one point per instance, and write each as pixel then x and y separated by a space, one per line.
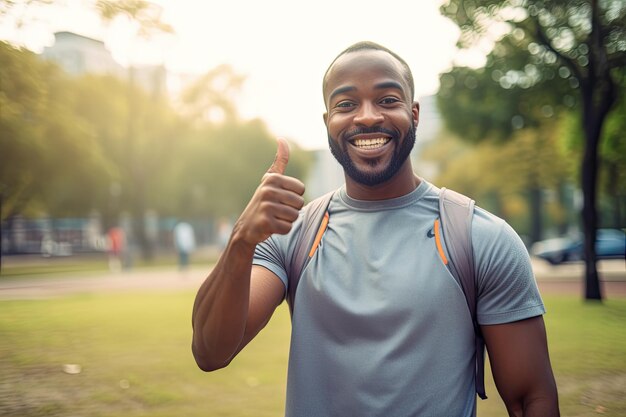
pixel 368 114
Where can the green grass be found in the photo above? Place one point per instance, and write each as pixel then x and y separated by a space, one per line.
pixel 138 341
pixel 45 267
pixel 39 267
pixel 587 343
pixel 134 350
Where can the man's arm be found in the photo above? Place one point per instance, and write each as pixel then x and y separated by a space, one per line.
pixel 518 353
pixel 237 300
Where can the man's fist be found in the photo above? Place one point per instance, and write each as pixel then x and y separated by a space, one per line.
pixel 275 204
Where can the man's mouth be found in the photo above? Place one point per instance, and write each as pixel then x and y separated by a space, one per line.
pixel 373 143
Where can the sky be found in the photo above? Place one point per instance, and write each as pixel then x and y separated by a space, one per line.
pixel 282 47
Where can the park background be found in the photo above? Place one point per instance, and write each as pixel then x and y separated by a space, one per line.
pixel 131 114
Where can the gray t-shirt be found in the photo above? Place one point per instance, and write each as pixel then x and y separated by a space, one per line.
pixel 380 327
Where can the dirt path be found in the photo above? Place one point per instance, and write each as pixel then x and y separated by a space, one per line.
pixel 610 289
pixel 568 278
pixel 165 279
pixel 564 279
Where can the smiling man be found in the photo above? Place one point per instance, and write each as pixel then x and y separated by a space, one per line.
pixel 380 327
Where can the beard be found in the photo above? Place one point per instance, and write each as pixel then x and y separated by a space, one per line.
pixel 374 178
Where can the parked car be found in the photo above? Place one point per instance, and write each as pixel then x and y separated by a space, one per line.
pixel 610 244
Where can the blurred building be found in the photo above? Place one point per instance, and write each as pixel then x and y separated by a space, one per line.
pixel 79 55
pixel 325 174
pixel 427 132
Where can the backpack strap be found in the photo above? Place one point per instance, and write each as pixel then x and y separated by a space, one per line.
pixel 456 212
pixel 313 226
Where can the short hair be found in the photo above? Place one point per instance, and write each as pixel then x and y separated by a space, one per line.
pixel 373 46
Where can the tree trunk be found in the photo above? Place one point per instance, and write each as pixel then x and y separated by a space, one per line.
pixel 136 174
pixel 598 96
pixel 535 203
pixel 589 215
pixel 139 221
pixel 613 192
pixel 495 204
pixel 1 235
pixel 595 112
pixel 563 223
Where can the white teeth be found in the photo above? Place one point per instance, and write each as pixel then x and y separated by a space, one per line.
pixel 370 143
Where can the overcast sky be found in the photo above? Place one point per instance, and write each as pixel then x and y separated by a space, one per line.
pixel 282 47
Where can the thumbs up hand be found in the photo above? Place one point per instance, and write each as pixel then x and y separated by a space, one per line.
pixel 275 204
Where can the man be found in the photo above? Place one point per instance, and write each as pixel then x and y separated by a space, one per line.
pixel 185 243
pixel 380 327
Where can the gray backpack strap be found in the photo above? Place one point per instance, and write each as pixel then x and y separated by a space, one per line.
pixel 312 213
pixel 456 212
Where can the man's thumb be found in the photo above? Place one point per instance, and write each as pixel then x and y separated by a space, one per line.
pixel 281 159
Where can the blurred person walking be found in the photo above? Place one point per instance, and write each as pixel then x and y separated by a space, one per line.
pixel 185 243
pixel 116 239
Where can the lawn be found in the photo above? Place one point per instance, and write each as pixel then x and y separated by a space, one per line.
pixel 31 266
pixel 587 344
pixel 135 360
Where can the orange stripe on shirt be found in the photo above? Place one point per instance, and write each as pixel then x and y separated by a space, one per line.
pixel 438 242
pixel 320 233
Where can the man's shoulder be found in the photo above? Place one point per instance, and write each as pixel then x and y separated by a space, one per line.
pixel 493 234
pixel 486 219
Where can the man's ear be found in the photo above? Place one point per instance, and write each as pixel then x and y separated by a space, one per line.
pixel 325 116
pixel 415 110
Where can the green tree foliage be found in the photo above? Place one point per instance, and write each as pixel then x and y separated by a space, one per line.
pixel 549 53
pixel 40 133
pixel 211 96
pixel 146 14
pixel 224 157
pixel 74 145
pixel 502 177
pixel 612 157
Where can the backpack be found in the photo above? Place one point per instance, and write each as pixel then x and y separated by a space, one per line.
pixel 455 214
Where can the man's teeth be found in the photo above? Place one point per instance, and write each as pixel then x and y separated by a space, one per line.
pixel 370 143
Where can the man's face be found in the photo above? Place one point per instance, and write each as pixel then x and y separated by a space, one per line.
pixel 371 117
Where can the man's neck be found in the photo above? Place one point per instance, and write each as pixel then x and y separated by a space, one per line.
pixel 404 182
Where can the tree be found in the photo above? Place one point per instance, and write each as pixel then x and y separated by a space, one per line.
pixel 612 157
pixel 509 179
pixel 40 132
pixel 220 159
pixel 210 97
pixel 581 41
pixel 145 14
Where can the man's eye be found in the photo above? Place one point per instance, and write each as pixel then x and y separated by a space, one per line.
pixel 389 100
pixel 344 104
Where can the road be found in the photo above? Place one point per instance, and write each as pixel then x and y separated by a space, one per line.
pixel 566 279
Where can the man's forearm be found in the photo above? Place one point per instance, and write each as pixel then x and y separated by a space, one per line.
pixel 221 307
